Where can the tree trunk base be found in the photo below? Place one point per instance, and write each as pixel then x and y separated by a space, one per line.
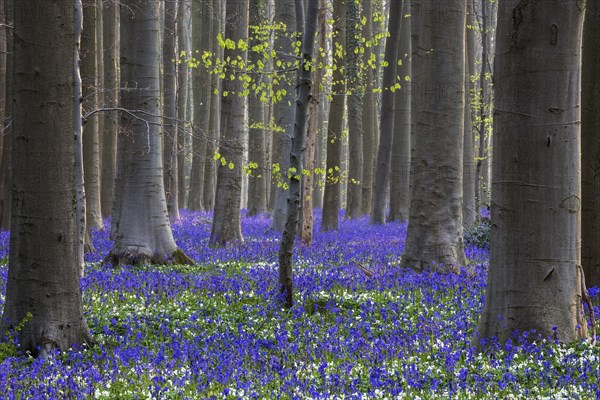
pixel 132 256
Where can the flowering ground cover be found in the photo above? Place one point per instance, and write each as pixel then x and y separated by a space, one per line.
pixel 215 329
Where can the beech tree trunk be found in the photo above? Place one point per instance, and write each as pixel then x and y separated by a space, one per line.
pixel 226 225
pixel 286 248
pixel 201 32
pixel 384 152
pixel 7 131
pixel 258 185
pixel 355 103
pixel 44 242
pixel 534 280
pixel 590 146
pixel 184 25
pixel 484 99
pixel 210 165
pixel 434 236
pixel 91 140
pixel 401 147
pixel 469 183
pixel 285 12
pixel 3 56
pixel 111 100
pixel 368 111
pixel 333 175
pixel 313 126
pixel 169 109
pixel 140 217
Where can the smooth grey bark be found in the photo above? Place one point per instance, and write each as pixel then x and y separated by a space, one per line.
pixel 91 140
pixel 140 217
pixel 169 107
pixel 333 174
pixel 226 225
pixel 321 152
pixel 313 126
pixel 111 100
pixel 534 280
pixel 384 151
pixel 203 20
pixel 44 242
pixel 6 125
pixel 258 185
pixel 368 111
pixel 401 146
pixel 355 101
pixel 484 107
pixel 101 87
pixel 3 54
pixel 590 146
pixel 285 12
pixel 286 248
pixel 469 182
pixel 214 122
pixel 184 97
pixel 434 235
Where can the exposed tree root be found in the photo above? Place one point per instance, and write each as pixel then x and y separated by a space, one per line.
pixel 588 301
pixel 135 257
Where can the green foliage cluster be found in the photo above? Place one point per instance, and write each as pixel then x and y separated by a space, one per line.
pixel 8 347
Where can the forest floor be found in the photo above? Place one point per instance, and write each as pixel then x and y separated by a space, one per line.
pixel 216 330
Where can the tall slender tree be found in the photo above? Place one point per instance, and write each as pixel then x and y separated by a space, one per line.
pixel 285 13
pixel 469 183
pixel 257 182
pixel 434 236
pixel 401 144
pixel 214 122
pixel 140 217
pixel 298 143
pixel 313 126
pixel 384 151
pixel 44 243
pixel 184 96
pixel 355 103
pixel 169 107
pixel 6 129
pixel 368 110
pixel 91 144
pixel 111 101
pixel 535 280
pixel 332 193
pixel 201 35
pixel 226 225
pixel 484 103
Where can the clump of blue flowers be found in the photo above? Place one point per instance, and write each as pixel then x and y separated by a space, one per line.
pixel 215 330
